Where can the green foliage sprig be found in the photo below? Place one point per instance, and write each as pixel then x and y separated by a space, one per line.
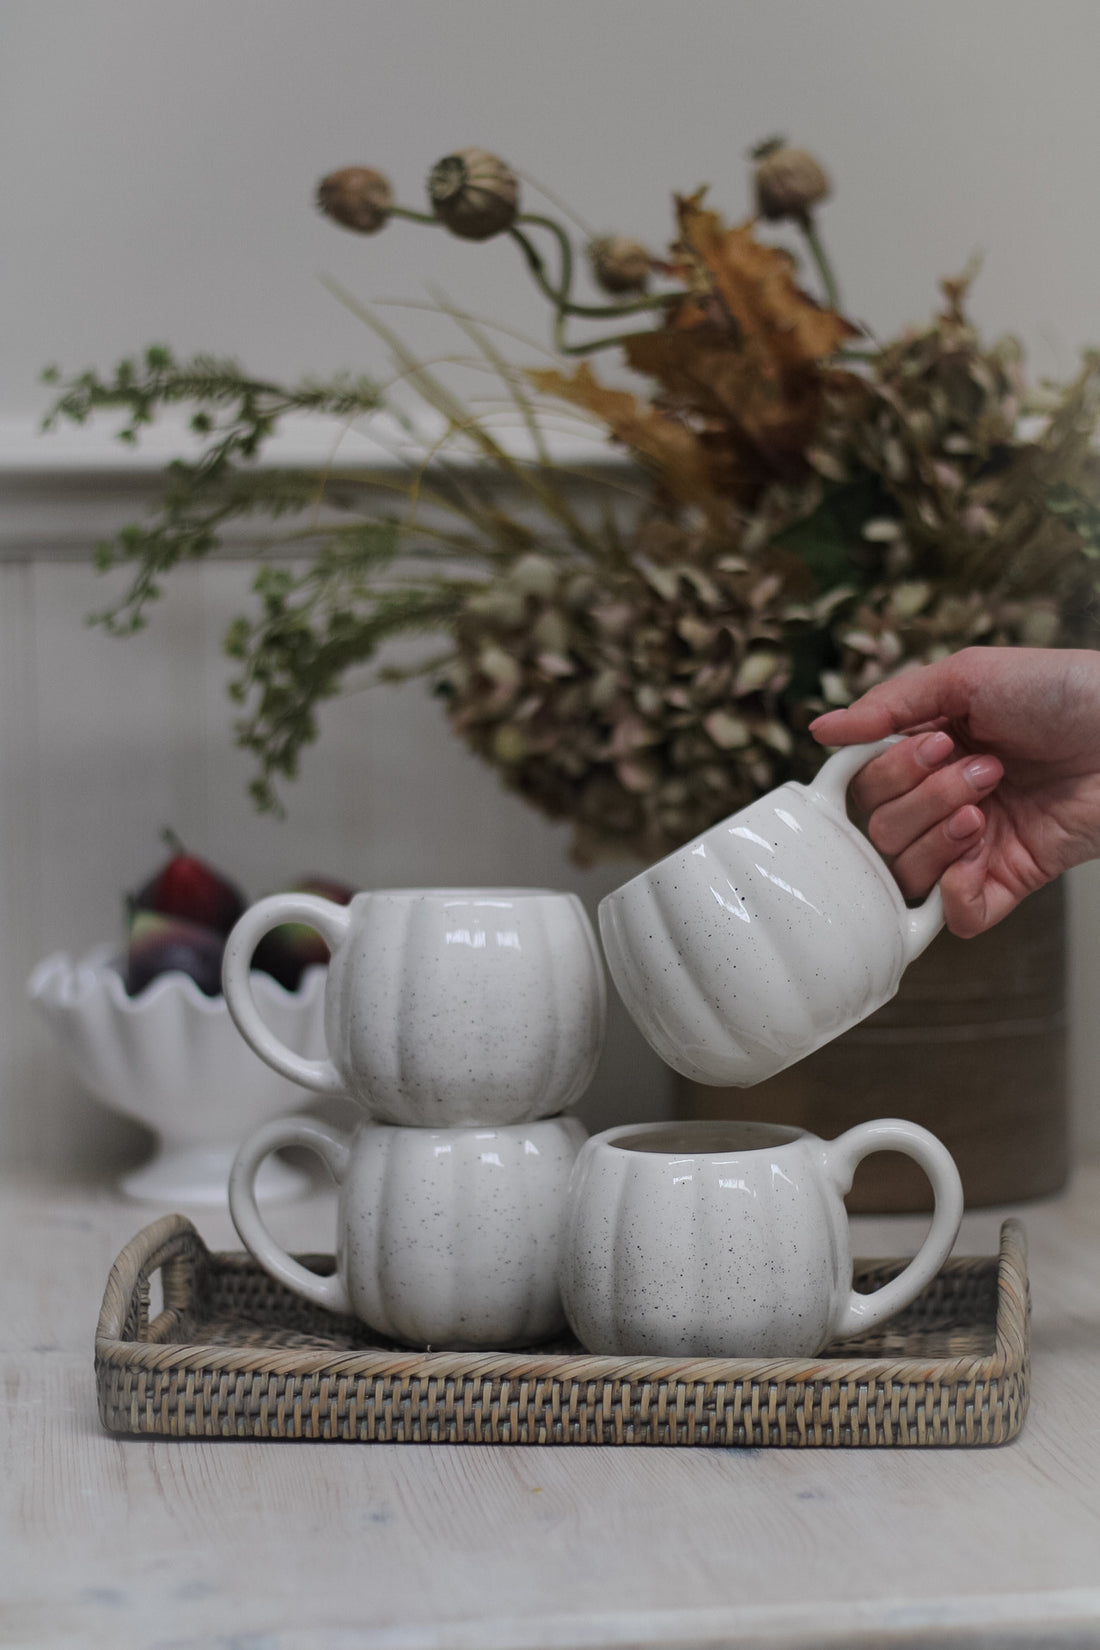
pixel 312 629
pixel 235 415
pixel 351 587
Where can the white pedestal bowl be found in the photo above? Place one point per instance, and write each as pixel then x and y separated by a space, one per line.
pixel 172 1058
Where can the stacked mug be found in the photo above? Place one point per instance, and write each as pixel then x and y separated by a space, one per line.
pixel 465 1022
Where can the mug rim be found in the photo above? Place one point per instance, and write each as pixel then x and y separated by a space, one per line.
pixel 467 894
pixel 768 1136
pixel 467 1136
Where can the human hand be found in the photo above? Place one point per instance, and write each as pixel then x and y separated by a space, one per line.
pixel 996 791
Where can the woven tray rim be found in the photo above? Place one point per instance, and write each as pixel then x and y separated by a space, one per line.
pixel 173 1236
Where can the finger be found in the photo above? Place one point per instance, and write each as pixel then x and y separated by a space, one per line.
pixel 974 900
pixel 855 724
pixel 900 769
pixel 895 825
pixel 924 861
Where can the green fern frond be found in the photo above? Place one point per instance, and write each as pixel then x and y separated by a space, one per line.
pixel 140 387
pixel 312 629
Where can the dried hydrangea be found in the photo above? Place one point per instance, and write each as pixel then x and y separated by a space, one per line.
pixel 639 704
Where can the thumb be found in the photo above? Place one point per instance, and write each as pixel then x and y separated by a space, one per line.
pixel 973 900
pixel 918 698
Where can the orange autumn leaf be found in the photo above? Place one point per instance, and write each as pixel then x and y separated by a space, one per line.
pixel 747 349
pixel 756 285
pixel 707 374
pixel 669 446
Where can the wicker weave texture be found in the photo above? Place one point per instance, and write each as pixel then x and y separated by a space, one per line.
pixel 235 1355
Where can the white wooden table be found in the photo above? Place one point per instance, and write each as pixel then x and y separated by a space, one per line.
pixel 268 1546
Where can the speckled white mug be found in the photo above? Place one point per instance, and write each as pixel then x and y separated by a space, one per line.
pixel 730 1239
pixel 446 1238
pixel 765 937
pixel 444 1007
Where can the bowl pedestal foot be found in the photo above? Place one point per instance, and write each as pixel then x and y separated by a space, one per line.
pixel 180 1173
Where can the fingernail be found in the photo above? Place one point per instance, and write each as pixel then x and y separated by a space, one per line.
pixel 934 749
pixel 982 772
pixel 964 823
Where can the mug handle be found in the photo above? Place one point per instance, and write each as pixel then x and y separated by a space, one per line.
pixel 333 1147
pixel 332 922
pixel 923 922
pixel 893 1134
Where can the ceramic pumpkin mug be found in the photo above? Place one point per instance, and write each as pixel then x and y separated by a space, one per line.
pixel 446 1238
pixel 766 936
pixel 444 1007
pixel 730 1239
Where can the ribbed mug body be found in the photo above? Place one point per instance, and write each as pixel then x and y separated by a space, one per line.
pixel 450 1238
pixel 720 1240
pixel 452 1007
pixel 747 948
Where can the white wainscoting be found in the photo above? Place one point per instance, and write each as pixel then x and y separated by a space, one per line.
pixel 104 742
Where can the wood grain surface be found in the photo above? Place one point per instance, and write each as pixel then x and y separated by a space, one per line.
pixel 123 1542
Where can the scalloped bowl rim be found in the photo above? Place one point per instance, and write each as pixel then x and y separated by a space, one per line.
pixel 70 984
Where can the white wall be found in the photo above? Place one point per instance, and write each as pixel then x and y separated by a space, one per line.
pixel 158 157
pixel 157 163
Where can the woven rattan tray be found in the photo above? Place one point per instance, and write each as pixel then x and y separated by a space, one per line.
pixel 233 1354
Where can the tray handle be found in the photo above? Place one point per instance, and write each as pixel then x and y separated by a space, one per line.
pixel 170 1246
pixel 1013 1296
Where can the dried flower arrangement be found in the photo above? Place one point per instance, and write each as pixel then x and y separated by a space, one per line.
pixel 812 510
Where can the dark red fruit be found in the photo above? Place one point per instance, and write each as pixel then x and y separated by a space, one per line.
pixel 287 951
pixel 187 887
pixel 161 944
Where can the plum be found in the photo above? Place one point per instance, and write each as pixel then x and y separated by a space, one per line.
pixel 187 887
pixel 287 951
pixel 162 944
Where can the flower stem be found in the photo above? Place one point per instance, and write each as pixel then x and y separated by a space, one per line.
pixel 820 257
pixel 560 293
pixel 535 263
pixel 607 341
pixel 414 217
pixel 560 296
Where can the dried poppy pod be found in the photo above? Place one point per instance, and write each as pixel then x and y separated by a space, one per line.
pixel 788 181
pixel 620 264
pixel 473 193
pixel 357 197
